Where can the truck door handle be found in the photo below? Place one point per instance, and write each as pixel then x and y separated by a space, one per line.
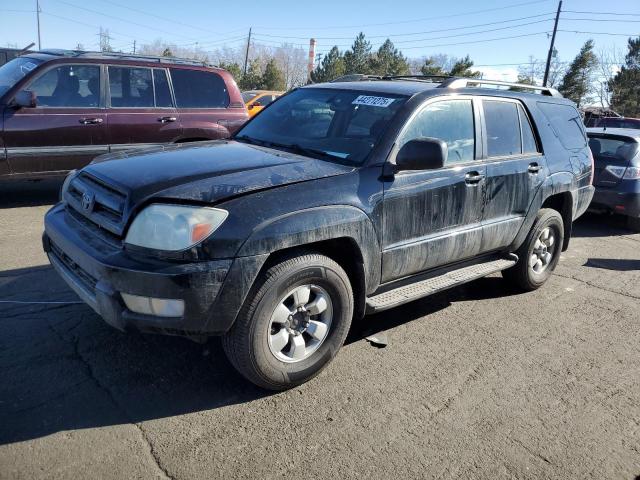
pixel 167 119
pixel 473 178
pixel 534 167
pixel 90 121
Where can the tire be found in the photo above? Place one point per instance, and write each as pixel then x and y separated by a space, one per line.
pixel 633 224
pixel 530 277
pixel 253 345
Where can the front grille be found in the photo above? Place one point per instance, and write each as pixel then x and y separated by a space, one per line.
pixel 98 202
pixel 81 274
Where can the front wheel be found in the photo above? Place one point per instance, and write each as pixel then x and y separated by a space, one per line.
pixel 540 252
pixel 293 324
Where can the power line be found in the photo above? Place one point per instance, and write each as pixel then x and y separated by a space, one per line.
pixel 599 20
pixel 120 19
pixel 416 33
pixel 602 33
pixel 411 21
pixel 604 13
pixel 84 23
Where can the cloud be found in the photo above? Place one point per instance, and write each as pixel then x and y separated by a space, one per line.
pixel 506 74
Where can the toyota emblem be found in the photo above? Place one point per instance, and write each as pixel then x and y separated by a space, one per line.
pixel 87 201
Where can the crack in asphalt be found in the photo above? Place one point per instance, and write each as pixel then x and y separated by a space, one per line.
pixel 599 287
pixel 143 434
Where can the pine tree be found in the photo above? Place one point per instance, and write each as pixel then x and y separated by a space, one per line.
pixel 388 60
pixel 234 69
pixel 430 67
pixel 357 60
pixel 332 66
pixel 625 86
pixel 167 52
pixel 576 83
pixel 462 68
pixel 253 78
pixel 272 78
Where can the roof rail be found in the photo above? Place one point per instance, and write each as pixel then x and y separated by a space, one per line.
pixel 124 56
pixel 355 77
pixel 419 78
pixel 457 82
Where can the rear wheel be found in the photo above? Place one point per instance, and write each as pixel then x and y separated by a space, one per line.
pixel 293 324
pixel 539 254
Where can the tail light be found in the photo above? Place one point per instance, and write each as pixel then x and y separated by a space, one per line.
pixel 632 173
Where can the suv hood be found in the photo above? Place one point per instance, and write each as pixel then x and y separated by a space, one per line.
pixel 206 172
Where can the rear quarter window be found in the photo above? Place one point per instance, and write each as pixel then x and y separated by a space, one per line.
pixel 566 124
pixel 199 89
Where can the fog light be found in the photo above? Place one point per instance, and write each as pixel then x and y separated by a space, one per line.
pixel 161 307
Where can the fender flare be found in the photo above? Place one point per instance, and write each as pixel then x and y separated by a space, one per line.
pixel 317 224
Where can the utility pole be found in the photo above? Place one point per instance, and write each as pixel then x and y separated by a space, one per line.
pixel 246 55
pixel 134 47
pixel 551 47
pixel 38 20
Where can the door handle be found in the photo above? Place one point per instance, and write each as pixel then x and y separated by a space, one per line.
pixel 534 167
pixel 473 178
pixel 90 121
pixel 167 119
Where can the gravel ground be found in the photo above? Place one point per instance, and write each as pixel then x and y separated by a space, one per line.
pixel 478 382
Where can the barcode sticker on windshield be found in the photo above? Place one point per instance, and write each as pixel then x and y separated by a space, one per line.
pixel 373 101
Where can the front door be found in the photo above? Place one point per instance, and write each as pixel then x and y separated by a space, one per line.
pixel 433 217
pixel 515 170
pixel 141 110
pixel 65 130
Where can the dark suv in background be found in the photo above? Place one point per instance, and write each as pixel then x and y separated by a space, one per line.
pixel 337 200
pixel 60 109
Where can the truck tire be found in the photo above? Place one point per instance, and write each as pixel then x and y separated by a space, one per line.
pixel 293 322
pixel 540 252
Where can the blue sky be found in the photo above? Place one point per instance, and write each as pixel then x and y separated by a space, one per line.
pixel 495 33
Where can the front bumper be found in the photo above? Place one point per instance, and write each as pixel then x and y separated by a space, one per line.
pixel 98 271
pixel 616 201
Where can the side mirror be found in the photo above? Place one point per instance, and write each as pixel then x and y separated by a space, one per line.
pixel 422 154
pixel 24 99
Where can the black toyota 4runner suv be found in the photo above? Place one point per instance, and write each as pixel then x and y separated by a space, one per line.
pixel 337 200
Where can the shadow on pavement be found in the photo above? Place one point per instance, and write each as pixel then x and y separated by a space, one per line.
pixel 30 193
pixel 600 225
pixel 621 265
pixel 62 368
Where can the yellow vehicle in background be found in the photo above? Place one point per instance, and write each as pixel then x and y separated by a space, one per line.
pixel 256 100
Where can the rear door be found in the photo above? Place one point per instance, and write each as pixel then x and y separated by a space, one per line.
pixel 515 170
pixel 66 129
pixel 612 155
pixel 433 217
pixel 141 111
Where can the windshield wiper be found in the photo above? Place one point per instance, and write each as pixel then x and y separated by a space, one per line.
pixel 308 151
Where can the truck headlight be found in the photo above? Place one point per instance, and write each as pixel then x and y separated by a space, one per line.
pixel 174 227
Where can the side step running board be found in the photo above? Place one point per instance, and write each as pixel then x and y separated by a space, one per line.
pixel 413 291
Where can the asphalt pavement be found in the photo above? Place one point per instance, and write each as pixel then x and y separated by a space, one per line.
pixel 477 382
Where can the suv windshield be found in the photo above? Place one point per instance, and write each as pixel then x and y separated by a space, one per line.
pixel 14 70
pixel 343 125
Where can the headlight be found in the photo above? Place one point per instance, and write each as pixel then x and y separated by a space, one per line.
pixel 174 227
pixel 65 184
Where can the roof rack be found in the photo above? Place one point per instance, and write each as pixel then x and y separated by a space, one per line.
pixel 457 82
pixel 418 78
pixel 125 56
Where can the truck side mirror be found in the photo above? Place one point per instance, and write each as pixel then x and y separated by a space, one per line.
pixel 422 154
pixel 24 99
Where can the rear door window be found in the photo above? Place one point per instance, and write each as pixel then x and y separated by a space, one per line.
pixel 503 128
pixel 131 87
pixel 199 89
pixel 162 90
pixel 529 144
pixel 566 124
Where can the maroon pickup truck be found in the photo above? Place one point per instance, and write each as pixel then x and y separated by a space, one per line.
pixel 60 109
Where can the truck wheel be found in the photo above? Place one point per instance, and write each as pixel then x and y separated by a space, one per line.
pixel 633 224
pixel 539 254
pixel 293 323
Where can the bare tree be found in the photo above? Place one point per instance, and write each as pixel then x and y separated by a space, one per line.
pixel 609 61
